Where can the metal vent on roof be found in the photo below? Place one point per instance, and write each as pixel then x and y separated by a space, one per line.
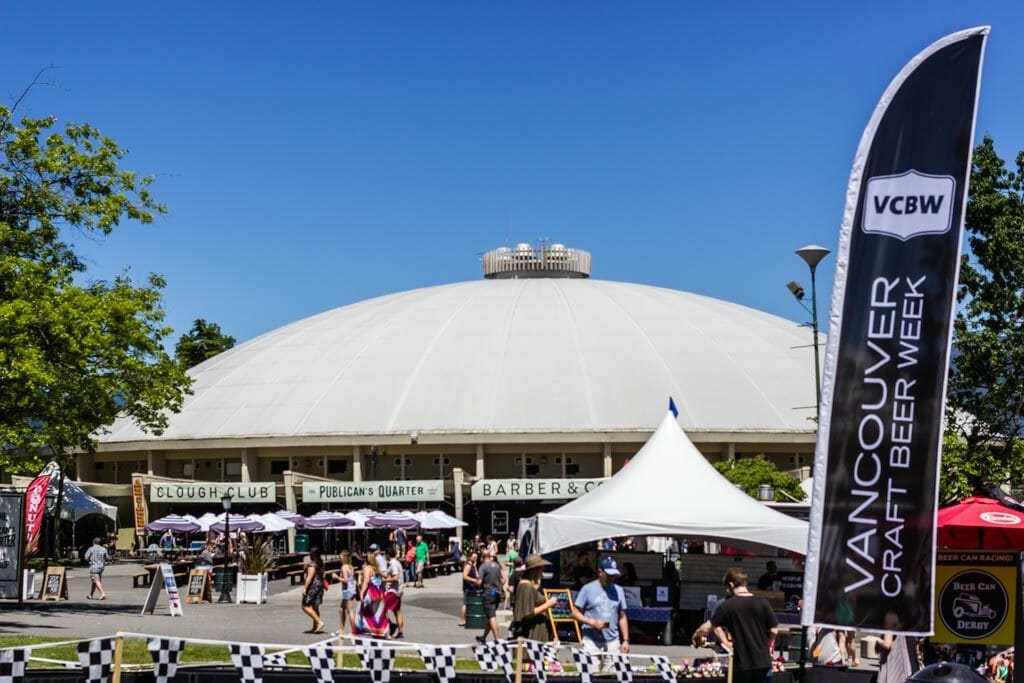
pixel 528 261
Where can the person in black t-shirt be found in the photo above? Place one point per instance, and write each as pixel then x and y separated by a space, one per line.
pixel 749 622
pixel 770 580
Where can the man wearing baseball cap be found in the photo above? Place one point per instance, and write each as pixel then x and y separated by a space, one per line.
pixel 379 559
pixel 601 608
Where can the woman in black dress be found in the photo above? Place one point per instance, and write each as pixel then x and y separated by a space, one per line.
pixel 313 590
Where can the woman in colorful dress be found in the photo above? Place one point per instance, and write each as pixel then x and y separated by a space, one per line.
pixel 373 613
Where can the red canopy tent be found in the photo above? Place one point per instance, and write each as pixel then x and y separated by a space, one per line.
pixel 980 524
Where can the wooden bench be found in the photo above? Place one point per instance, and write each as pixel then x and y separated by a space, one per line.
pixel 296 576
pixel 143 576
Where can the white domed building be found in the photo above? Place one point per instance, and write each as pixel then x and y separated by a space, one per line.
pixel 535 373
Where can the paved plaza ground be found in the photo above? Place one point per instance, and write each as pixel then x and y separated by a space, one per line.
pixel 431 614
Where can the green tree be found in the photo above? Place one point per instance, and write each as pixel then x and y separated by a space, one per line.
pixel 986 387
pixel 204 340
pixel 75 353
pixel 750 473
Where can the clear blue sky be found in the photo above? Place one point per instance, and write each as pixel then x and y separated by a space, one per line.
pixel 316 154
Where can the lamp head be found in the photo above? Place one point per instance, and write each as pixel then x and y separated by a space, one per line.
pixel 225 500
pixel 796 289
pixel 812 254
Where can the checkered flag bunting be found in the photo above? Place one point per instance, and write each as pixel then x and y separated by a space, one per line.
pixel 621 667
pixel 378 660
pixel 536 652
pixel 664 667
pixel 584 663
pixel 248 659
pixel 495 656
pixel 12 664
pixel 96 657
pixel 322 663
pixel 440 660
pixel 277 659
pixel 165 652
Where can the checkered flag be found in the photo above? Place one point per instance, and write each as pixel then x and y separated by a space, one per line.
pixel 378 660
pixel 440 660
pixel 495 656
pixel 536 652
pixel 165 652
pixel 96 657
pixel 275 659
pixel 620 665
pixel 12 664
pixel 248 659
pixel 322 663
pixel 664 667
pixel 584 663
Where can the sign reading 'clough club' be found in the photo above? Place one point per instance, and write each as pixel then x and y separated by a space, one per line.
pixel 249 492
pixel 533 489
pixel 372 491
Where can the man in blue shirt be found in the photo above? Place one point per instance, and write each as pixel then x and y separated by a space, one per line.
pixel 601 608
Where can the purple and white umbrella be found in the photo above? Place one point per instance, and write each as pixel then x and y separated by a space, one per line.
pixel 438 519
pixel 392 519
pixel 174 523
pixel 272 524
pixel 237 523
pixel 328 519
pixel 293 517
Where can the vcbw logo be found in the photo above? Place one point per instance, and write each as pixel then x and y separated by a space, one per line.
pixel 909 204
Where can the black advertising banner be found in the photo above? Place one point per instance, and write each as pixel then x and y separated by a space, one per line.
pixel 871 550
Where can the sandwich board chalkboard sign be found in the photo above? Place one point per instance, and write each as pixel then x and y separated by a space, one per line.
pixel 55 584
pixel 199 587
pixel 563 626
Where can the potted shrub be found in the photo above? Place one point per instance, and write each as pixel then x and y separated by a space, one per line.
pixel 255 566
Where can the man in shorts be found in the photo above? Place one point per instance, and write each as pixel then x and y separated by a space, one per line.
pixel 492 583
pixel 601 609
pixel 96 556
pixel 422 554
pixel 393 596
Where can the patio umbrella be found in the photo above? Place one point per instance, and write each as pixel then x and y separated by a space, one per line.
pixel 174 523
pixel 328 519
pixel 980 524
pixel 238 523
pixel 392 520
pixel 272 523
pixel 443 516
pixel 293 517
pixel 358 518
pixel 205 520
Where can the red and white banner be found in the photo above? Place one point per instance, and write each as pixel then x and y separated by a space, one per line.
pixel 35 505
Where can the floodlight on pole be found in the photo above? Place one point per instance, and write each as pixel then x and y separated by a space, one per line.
pixel 812 255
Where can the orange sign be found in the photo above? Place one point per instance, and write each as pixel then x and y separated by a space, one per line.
pixel 139 503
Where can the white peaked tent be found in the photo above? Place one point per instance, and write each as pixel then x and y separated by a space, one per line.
pixel 668 489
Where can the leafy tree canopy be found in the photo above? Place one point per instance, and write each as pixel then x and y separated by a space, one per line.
pixel 986 386
pixel 204 340
pixel 750 473
pixel 74 353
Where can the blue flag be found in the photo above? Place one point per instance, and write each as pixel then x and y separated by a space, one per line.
pixel 672 407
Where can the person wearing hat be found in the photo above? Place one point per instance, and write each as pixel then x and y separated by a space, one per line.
pixel 529 606
pixel 601 609
pixel 378 557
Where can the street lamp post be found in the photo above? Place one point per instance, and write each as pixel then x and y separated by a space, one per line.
pixel 48 526
pixel 812 255
pixel 225 588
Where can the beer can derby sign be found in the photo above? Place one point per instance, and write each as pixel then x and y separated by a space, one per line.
pixel 372 491
pixel 975 600
pixel 533 489
pixel 250 492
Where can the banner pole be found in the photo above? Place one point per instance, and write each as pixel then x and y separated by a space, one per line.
pixel 728 671
pixel 803 654
pixel 118 656
pixel 519 660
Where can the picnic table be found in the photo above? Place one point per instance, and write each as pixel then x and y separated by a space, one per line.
pixel 146 576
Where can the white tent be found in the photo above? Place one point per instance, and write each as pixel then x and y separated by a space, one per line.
pixel 77 503
pixel 667 489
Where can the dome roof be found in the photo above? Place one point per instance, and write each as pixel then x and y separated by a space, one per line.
pixel 505 356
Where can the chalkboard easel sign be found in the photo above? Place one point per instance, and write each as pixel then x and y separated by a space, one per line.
pixel 200 587
pixel 563 626
pixel 55 585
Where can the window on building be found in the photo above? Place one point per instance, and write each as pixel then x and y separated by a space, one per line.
pixel 337 466
pixel 572 470
pixel 278 466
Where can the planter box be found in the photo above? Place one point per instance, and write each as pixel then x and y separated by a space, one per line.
pixel 28 587
pixel 252 588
